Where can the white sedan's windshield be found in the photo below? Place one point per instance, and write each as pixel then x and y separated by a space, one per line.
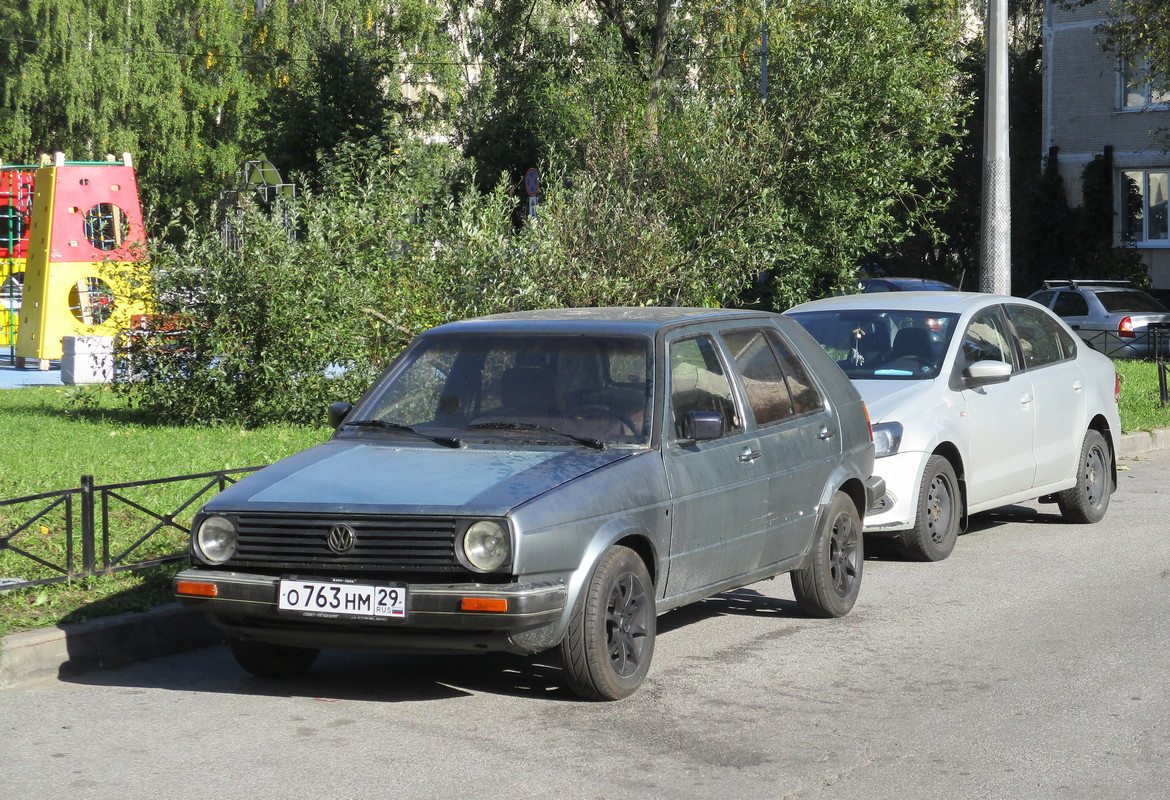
pixel 882 344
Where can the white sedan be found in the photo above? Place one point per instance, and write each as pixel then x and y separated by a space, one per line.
pixel 977 401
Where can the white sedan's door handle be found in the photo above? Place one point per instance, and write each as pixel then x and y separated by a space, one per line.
pixel 1077 385
pixel 1025 399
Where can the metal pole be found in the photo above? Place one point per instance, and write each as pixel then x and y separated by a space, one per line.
pixel 996 261
pixel 764 53
pixel 88 529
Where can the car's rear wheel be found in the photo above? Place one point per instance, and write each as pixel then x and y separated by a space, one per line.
pixel 1088 500
pixel 829 584
pixel 610 641
pixel 936 526
pixel 266 660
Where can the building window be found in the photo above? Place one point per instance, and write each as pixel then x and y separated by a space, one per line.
pixel 1144 193
pixel 1136 91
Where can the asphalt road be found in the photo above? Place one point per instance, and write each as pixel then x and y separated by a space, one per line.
pixel 1030 664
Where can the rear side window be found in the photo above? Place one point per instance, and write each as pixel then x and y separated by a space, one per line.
pixel 763 380
pixel 1041 338
pixel 805 397
pixel 1070 304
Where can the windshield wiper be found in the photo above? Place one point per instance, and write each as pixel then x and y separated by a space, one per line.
pixel 446 441
pixel 596 444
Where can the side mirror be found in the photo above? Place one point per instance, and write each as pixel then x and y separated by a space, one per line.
pixel 985 373
pixel 702 426
pixel 338 412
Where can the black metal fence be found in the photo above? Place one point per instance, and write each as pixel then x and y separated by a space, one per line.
pixel 79 543
pixel 1155 339
pixel 1161 333
pixel 1151 341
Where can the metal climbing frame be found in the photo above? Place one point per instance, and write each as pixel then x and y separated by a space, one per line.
pixel 16 196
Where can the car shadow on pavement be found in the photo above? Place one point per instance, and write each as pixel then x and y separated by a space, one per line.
pixel 745 602
pixel 1046 514
pixel 885 548
pixel 339 675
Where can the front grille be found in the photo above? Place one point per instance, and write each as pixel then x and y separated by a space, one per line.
pixel 299 541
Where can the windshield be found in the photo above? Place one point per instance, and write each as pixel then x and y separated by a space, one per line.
pixel 882 344
pixel 558 389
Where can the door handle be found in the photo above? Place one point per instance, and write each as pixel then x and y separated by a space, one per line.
pixel 826 434
pixel 1025 399
pixel 1077 385
pixel 748 456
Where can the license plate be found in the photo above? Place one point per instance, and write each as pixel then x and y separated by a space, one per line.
pixel 334 599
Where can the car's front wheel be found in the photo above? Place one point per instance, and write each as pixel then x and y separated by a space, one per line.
pixel 829 584
pixel 266 660
pixel 610 641
pixel 936 525
pixel 1088 500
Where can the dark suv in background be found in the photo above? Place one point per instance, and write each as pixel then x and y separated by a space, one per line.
pixel 1111 316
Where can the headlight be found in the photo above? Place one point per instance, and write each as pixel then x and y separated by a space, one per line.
pixel 486 546
pixel 887 436
pixel 215 539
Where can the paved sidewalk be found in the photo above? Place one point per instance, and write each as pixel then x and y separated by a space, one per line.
pixel 103 643
pixel 137 636
pixel 13 378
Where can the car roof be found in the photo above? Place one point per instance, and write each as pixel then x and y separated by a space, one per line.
pixel 903 282
pixel 942 302
pixel 632 320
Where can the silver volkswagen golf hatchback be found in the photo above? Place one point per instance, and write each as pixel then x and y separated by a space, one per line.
pixel 548 479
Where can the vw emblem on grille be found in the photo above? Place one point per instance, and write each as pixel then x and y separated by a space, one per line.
pixel 341 539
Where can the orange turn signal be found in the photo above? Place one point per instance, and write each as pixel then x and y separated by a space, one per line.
pixel 197 589
pixel 483 604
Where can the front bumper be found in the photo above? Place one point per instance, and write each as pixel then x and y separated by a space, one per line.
pixel 895 508
pixel 245 605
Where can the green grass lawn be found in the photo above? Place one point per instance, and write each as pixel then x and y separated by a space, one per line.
pixel 1140 404
pixel 51 436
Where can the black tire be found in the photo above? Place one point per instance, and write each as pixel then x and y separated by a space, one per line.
pixel 1088 501
pixel 936 525
pixel 266 660
pixel 829 584
pixel 610 641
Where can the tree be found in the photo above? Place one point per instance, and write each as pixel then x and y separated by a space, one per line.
pixel 843 157
pixel 192 87
pixel 951 250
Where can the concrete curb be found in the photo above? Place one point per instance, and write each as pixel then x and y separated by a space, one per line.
pixel 136 636
pixel 103 643
pixel 1134 444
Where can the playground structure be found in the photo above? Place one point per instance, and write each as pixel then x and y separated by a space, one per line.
pixel 72 233
pixel 16 192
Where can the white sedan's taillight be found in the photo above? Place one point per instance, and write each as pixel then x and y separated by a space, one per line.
pixel 1125 328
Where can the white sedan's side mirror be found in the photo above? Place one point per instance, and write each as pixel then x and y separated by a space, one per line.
pixel 984 373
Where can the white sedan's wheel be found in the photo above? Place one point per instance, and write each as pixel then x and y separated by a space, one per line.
pixel 1089 499
pixel 936 527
